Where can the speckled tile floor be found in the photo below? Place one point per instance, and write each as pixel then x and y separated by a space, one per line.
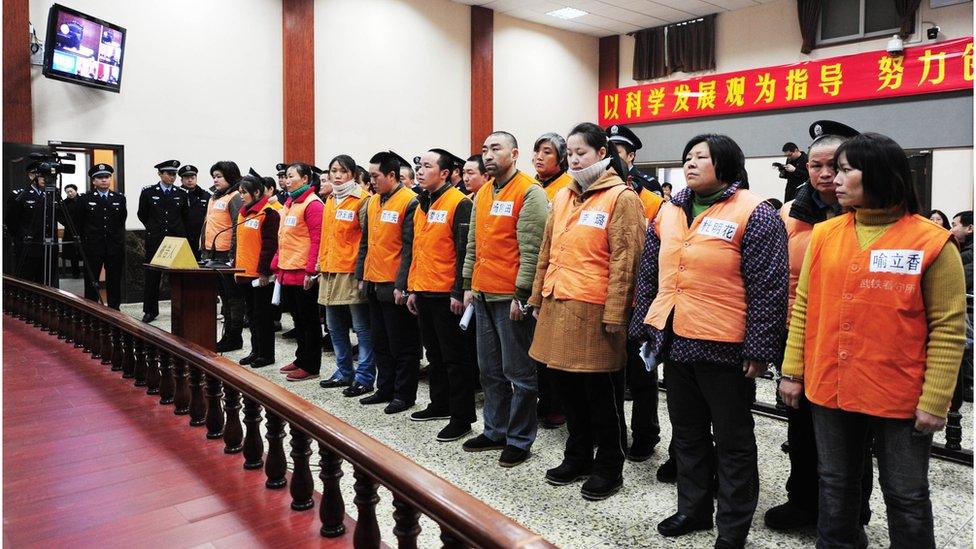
pixel 559 514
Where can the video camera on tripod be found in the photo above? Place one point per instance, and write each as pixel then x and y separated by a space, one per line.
pixel 51 164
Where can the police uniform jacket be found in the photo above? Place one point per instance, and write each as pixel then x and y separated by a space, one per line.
pixel 163 214
pixel 26 219
pixel 198 198
pixel 641 179
pixel 101 222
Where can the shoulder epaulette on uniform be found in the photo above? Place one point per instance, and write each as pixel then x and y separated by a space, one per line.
pixel 149 186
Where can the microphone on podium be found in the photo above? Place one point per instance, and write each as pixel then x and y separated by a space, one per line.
pixel 213 263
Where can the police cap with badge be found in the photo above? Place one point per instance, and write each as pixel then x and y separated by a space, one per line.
pixel 168 166
pixel 186 170
pixel 624 136
pixel 281 168
pixel 99 170
pixel 402 160
pixel 826 128
pixel 457 163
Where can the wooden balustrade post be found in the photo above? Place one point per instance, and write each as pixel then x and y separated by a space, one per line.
pixel 953 431
pixel 406 524
pixel 152 371
pixel 62 322
pixel 253 444
pixel 35 309
pixel 107 347
pixel 45 314
pixel 128 356
pixel 215 412
pixel 332 509
pixel 90 331
pixel 118 349
pixel 301 475
pixel 181 391
pixel 448 541
pixel 98 328
pixel 198 403
pixel 140 370
pixel 367 532
pixel 167 385
pixel 275 466
pixel 74 327
pixel 79 329
pixel 233 431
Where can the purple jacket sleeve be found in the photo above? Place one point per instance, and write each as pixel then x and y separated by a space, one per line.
pixel 313 220
pixel 646 284
pixel 766 273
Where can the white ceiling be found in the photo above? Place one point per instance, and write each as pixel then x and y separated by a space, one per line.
pixel 608 17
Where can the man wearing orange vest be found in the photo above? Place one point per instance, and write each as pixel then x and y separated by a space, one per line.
pixel 436 296
pixel 218 242
pixel 385 253
pixel 507 224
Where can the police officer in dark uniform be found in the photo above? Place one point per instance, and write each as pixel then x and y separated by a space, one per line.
pixel 163 209
pixel 100 220
pixel 281 194
pixel 628 144
pixel 198 198
pixel 27 222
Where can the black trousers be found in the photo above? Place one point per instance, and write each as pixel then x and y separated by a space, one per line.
pixel 257 302
pixel 803 485
pixel 704 397
pixel 304 308
pixel 396 349
pixel 32 267
pixel 644 422
pixel 114 267
pixel 594 407
pixel 549 401
pixel 452 367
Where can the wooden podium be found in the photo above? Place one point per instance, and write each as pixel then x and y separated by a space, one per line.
pixel 194 303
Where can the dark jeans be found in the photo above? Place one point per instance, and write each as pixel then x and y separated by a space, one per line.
pixel 396 349
pixel 703 398
pixel 594 414
pixel 452 367
pixel 903 465
pixel 644 422
pixel 257 302
pixel 304 307
pixel 803 485
pixel 114 266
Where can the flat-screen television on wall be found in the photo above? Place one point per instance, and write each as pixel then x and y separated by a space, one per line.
pixel 83 49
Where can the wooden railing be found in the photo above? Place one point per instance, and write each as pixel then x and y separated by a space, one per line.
pixel 209 389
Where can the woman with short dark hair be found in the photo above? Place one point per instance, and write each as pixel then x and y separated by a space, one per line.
pixel 218 242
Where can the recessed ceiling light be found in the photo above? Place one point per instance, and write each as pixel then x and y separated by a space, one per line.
pixel 567 13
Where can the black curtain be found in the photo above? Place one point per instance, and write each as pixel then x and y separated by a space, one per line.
pixel 691 46
pixel 808 14
pixel 907 10
pixel 649 54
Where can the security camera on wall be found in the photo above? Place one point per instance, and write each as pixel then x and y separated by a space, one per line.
pixel 896 46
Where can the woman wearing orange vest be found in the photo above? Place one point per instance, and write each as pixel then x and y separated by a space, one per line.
pixel 875 343
pixel 584 289
pixel 296 269
pixel 217 244
pixel 257 242
pixel 345 305
pixel 711 303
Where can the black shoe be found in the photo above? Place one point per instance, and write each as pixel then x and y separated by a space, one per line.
pixel 276 325
pixel 641 450
pixel 375 398
pixel 724 542
pixel 423 372
pixel 482 443
pixel 261 362
pixel 228 345
pixel 597 488
pixel 679 525
pixel 627 394
pixel 512 456
pixel 149 317
pixel 290 334
pixel 428 414
pixel 333 383
pixel 356 389
pixel 247 360
pixel 553 420
pixel 668 471
pixel 396 406
pixel 452 431
pixel 566 473
pixel 788 517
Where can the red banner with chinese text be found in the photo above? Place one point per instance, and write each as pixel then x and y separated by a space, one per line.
pixel 932 68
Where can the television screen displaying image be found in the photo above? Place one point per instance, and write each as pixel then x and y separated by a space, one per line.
pixel 83 49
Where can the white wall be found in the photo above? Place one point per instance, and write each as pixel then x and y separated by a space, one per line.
pixel 391 74
pixel 200 83
pixel 545 81
pixel 952 180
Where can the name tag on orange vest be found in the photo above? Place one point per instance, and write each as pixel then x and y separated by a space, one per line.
pixel 220 205
pixel 594 218
pixel 390 216
pixel 291 221
pixel 345 215
pixel 252 224
pixel 501 207
pixel 907 262
pixel 718 228
pixel 437 216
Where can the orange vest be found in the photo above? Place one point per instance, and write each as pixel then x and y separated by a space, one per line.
pixel 496 261
pixel 699 271
pixel 799 233
pixel 341 234
pixel 218 219
pixel 249 241
pixel 557 185
pixel 652 203
pixel 294 242
pixel 579 252
pixel 434 252
pixel 866 329
pixel 385 224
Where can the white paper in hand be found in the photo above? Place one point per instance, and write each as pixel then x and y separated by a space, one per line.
pixel 276 295
pixel 466 317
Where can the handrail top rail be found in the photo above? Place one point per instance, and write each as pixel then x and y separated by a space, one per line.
pixel 472 520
